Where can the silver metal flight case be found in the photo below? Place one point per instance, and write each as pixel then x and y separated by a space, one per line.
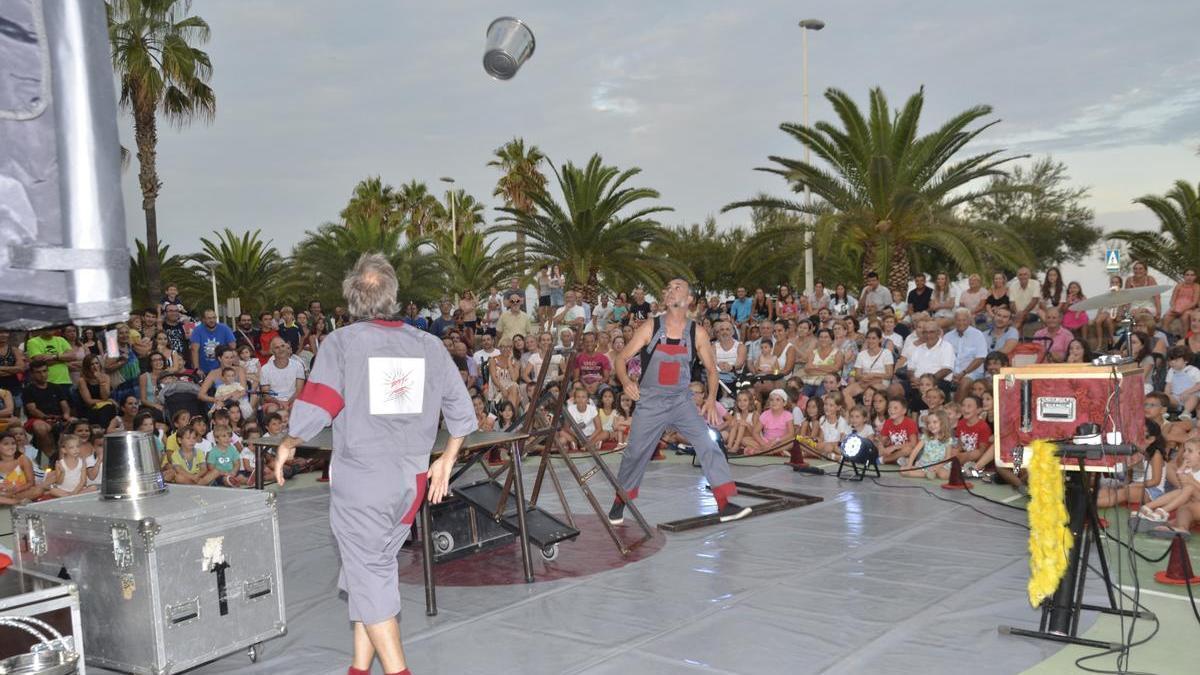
pixel 166 582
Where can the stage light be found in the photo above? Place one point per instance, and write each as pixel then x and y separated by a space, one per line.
pixel 861 454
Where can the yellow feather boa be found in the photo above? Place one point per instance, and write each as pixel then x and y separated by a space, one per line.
pixel 1049 535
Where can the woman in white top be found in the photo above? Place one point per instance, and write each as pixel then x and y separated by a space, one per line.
pixel 533 366
pixel 873 367
pixel 941 302
pixel 730 354
pixel 777 363
pixel 973 297
pixel 826 359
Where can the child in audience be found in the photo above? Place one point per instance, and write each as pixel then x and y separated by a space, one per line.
pixel 879 410
pixel 1185 499
pixel 179 421
pixel 144 421
pixel 741 427
pixel 30 451
pixel 973 434
pixel 225 458
pixel 248 460
pixel 986 400
pixel 1174 433
pixel 17 484
pixel 1148 475
pixel 625 406
pixel 934 398
pixel 1183 381
pixel 606 416
pixel 773 428
pixel 583 412
pixel 834 426
pixel 200 426
pixel 859 425
pixel 933 447
pixel 190 467
pixel 230 390
pixel 808 432
pixel 70 477
pixel 223 417
pixel 898 435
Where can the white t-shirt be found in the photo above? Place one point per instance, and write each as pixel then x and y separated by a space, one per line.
pixel 600 315
pixel 556 364
pixel 234 439
pixel 248 456
pixel 834 431
pixel 281 382
pixel 480 355
pixel 864 363
pixel 576 313
pixel 1179 381
pixel 586 419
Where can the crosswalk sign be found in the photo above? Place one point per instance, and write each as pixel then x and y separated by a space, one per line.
pixel 1112 260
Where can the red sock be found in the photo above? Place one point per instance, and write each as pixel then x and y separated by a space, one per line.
pixel 357 671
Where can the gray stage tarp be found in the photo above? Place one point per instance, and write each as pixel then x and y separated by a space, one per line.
pixel 871 580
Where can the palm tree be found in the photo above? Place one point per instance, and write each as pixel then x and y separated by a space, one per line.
pixel 1176 245
pixel 890 194
pixel 419 208
pixel 600 231
pixel 250 269
pixel 373 198
pixel 161 71
pixel 323 258
pixel 467 213
pixel 476 267
pixel 520 178
pixel 173 269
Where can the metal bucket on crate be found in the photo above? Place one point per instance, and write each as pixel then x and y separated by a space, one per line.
pixel 509 44
pixel 131 466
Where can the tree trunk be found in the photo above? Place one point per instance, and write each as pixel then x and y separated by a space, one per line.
pixel 146 135
pixel 590 290
pixel 900 270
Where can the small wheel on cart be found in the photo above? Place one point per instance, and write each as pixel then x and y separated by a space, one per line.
pixel 443 542
pixel 549 553
pixel 252 652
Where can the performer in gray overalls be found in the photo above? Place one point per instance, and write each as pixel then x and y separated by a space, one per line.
pixel 381 383
pixel 663 400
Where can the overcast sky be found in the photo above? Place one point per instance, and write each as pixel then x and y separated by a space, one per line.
pixel 314 96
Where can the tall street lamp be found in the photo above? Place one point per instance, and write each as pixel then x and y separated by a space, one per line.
pixel 453 217
pixel 807 25
pixel 212 266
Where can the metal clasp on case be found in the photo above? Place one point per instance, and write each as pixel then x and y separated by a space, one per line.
pixel 36 535
pixel 122 546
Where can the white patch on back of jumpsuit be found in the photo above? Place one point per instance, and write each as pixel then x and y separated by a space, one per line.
pixel 396 385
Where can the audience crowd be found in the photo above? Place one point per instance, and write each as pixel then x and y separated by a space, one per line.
pixel 910 368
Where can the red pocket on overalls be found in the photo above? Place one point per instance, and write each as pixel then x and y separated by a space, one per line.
pixel 668 373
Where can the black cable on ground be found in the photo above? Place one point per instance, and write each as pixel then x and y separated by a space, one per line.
pixel 950 501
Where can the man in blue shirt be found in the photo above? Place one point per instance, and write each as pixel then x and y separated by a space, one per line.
pixel 739 311
pixel 445 321
pixel 205 339
pixel 970 349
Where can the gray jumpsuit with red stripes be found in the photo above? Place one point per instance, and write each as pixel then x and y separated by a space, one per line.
pixel 666 402
pixel 382 385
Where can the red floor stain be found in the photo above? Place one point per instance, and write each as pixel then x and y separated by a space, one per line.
pixel 591 552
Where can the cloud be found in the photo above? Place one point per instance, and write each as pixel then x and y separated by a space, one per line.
pixel 1164 111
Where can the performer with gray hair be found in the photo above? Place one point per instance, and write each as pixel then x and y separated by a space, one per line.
pixel 381 383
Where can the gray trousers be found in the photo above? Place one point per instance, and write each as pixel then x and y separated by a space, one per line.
pixel 650 420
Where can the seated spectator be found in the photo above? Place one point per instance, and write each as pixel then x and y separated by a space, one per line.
pixel 225 459
pixel 973 433
pixel 941 303
pixel 1053 336
pixel 583 413
pixel 593 367
pixel 1183 381
pixel 189 462
pixel 875 296
pixel 841 304
pixel 1078 352
pixel 1183 302
pixel 970 347
pixel 282 378
pixel 606 417
pixel 740 432
pixel 834 426
pixel 972 299
pixel 1026 296
pixel 997 297
pixel 17 483
pixel 932 447
pixel 70 474
pixel 898 434
pixel 46 408
pixel 1076 322
pixel 1148 479
pixel 773 429
pixel 1184 500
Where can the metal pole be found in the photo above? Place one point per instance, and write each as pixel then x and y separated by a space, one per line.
pixel 453 224
pixel 807 238
pixel 212 274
